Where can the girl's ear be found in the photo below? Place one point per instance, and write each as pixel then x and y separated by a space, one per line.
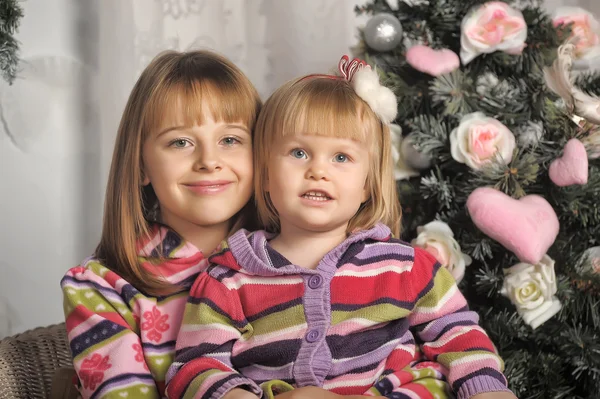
pixel 366 192
pixel 145 178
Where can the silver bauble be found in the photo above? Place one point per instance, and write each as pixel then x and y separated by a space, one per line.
pixel 383 32
pixel 412 157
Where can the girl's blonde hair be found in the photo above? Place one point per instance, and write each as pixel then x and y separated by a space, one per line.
pixel 327 106
pixel 174 84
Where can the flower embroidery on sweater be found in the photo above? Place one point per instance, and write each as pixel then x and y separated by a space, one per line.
pixel 92 370
pixel 155 323
pixel 139 355
pixel 136 318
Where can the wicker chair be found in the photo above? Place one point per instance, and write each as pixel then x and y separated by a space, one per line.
pixel 29 362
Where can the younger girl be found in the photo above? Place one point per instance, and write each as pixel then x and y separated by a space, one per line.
pixel 181 174
pixel 326 297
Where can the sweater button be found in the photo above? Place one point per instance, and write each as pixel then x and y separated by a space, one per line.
pixel 312 336
pixel 315 281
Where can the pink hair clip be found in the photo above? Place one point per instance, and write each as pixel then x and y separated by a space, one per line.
pixel 366 85
pixel 349 68
pixel 346 67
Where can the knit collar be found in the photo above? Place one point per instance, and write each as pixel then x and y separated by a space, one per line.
pixel 255 256
pixel 170 256
pixel 165 243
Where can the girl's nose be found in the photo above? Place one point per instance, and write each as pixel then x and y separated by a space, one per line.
pixel 316 171
pixel 208 159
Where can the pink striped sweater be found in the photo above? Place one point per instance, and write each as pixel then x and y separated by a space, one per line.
pixel 122 340
pixel 353 326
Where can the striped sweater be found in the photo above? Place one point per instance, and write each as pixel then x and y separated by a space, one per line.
pixel 354 325
pixel 122 340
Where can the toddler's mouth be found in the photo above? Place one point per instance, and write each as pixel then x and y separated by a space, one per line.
pixel 317 195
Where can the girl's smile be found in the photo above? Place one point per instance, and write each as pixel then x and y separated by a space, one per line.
pixel 208 187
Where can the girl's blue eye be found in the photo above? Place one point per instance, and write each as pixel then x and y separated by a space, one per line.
pixel 341 158
pixel 230 141
pixel 179 143
pixel 298 153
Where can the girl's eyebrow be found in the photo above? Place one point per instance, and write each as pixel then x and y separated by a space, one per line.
pixel 170 128
pixel 228 126
pixel 237 126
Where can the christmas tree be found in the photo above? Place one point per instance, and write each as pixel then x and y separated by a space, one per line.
pixel 498 167
pixel 10 15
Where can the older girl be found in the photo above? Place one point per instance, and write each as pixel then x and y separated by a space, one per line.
pixel 180 182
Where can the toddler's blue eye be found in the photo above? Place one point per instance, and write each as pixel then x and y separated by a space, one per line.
pixel 298 153
pixel 341 158
pixel 180 143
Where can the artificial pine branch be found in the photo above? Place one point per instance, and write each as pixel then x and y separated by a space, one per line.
pixel 589 82
pixel 430 135
pixel 10 16
pixel 435 185
pixel 513 178
pixel 451 91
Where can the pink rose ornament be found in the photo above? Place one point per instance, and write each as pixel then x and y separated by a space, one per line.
pixel 585 33
pixel 477 139
pixel 493 26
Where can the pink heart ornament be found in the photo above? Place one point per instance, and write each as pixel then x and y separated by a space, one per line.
pixel 572 167
pixel 433 62
pixel 527 226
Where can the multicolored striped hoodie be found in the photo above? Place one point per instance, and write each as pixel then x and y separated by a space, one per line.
pixel 353 325
pixel 122 340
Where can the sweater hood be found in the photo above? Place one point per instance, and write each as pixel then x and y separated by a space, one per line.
pixel 250 252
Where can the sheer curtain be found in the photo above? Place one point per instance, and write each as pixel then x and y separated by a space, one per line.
pixel 58 121
pixel 271 40
pixel 80 59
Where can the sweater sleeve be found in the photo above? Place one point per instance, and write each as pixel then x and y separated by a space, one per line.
pixel 451 334
pixel 213 322
pixel 103 335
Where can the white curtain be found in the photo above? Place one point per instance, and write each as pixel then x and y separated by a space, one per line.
pixel 58 121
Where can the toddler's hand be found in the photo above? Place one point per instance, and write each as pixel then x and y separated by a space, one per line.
pixel 319 393
pixel 238 393
pixel 494 395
